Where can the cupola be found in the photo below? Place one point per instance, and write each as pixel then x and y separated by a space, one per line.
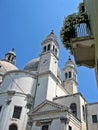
pixel 70 70
pixel 10 57
pixel 70 81
pixel 7 64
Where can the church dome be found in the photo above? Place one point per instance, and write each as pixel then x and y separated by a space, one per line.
pixel 32 65
pixel 6 66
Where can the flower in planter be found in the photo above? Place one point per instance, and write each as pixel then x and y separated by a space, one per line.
pixel 71 23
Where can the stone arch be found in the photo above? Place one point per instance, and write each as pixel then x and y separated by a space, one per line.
pixel 13 127
pixel 73 108
pixel 49 46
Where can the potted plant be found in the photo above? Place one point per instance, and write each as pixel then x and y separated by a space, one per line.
pixel 68 30
pixel 71 22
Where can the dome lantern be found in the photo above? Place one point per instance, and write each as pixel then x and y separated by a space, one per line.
pixel 10 57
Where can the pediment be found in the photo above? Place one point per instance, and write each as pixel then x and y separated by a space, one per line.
pixel 47 106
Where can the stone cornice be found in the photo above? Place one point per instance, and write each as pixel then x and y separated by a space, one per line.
pixel 50 51
pixel 50 40
pixel 50 73
pixel 20 71
pixel 76 94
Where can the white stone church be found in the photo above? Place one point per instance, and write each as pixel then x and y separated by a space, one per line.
pixel 37 98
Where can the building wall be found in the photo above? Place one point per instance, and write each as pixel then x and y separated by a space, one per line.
pixel 92 109
pixel 19 81
pixel 51 91
pixel 60 91
pixel 41 91
pixel 83 118
pixel 74 124
pixel 47 89
pixel 54 125
pixel 48 62
pixel 6 115
pixel 92 10
pixel 70 86
pixel 16 90
pixel 75 98
pixel 54 122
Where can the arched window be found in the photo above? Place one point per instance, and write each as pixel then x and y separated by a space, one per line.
pixel 9 57
pixel 66 76
pixel 45 127
pixel 70 74
pixel 83 110
pixel 73 108
pixel 13 127
pixel 55 51
pixel 17 112
pixel 74 75
pixel 12 58
pixel 53 48
pixel 48 47
pixel 44 49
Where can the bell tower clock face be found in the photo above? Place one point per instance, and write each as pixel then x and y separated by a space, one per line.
pixel 44 62
pixel 48 62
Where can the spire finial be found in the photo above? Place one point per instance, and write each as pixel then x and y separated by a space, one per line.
pixel 13 49
pixel 69 58
pixel 52 31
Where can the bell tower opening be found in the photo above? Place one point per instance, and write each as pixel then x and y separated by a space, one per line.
pixel 50 44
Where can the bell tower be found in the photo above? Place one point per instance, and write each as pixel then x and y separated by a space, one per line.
pixel 49 55
pixel 70 72
pixel 48 70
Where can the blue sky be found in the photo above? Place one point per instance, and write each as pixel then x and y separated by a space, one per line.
pixel 24 24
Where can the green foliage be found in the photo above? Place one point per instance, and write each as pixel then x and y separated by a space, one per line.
pixel 81 8
pixel 68 30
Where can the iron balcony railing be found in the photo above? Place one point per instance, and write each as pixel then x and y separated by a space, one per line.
pixel 82 30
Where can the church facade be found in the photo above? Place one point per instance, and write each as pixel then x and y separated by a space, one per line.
pixel 37 98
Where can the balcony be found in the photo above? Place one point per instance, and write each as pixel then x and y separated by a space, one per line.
pixel 77 37
pixel 83 48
